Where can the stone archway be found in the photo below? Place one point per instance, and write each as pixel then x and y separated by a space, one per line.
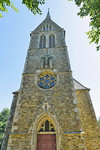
pixel 54 136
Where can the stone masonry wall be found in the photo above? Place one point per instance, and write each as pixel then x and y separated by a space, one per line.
pixel 60 97
pixel 10 122
pixel 73 142
pixel 88 119
pixel 33 60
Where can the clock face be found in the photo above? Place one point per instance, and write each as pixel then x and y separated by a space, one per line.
pixel 46 79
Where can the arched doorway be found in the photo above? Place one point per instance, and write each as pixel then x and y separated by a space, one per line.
pixel 46 135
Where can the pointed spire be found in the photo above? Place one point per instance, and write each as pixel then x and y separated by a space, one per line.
pixel 48 15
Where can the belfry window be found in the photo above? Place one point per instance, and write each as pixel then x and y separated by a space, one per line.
pixel 43 42
pixel 51 41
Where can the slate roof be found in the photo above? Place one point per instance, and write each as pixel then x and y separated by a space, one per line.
pixel 79 86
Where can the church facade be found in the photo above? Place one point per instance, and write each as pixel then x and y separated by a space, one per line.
pixel 51 110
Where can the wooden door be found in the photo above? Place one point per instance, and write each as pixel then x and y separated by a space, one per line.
pixel 46 142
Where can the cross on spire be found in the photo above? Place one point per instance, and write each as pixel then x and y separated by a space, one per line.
pixel 48 15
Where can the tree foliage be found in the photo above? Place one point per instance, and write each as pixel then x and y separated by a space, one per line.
pixel 32 5
pixel 3 121
pixel 4 4
pixel 91 8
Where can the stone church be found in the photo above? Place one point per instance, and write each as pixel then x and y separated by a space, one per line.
pixel 51 110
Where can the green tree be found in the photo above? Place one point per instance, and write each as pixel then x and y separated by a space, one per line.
pixel 99 122
pixel 4 4
pixel 3 121
pixel 91 8
pixel 32 5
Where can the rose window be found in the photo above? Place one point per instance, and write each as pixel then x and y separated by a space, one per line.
pixel 46 79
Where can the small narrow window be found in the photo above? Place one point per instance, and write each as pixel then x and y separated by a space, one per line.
pixel 43 62
pixel 47 27
pixel 43 28
pixel 46 52
pixel 50 28
pixel 50 62
pixel 45 107
pixel 47 125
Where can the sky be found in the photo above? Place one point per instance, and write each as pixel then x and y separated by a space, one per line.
pixel 15 29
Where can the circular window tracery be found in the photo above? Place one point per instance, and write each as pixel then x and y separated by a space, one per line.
pixel 46 79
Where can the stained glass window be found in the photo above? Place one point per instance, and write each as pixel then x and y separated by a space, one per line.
pixel 47 126
pixel 47 79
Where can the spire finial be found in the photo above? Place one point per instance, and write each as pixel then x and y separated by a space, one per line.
pixel 48 14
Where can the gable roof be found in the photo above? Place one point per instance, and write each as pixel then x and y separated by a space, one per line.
pixel 47 20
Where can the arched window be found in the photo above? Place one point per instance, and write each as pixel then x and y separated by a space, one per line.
pixel 44 28
pixel 47 27
pixel 50 62
pixel 43 42
pixel 47 126
pixel 46 62
pixel 51 41
pixel 50 27
pixel 43 62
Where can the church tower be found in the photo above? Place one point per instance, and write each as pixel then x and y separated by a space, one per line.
pixel 51 110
